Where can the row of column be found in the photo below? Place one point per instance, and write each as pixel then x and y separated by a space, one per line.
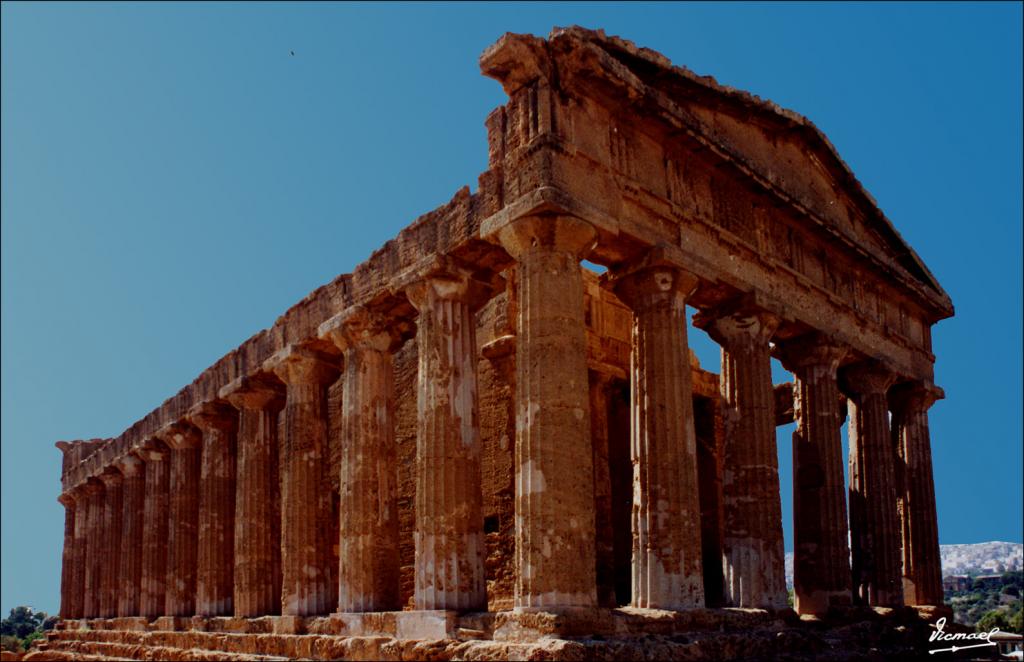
pixel 215 537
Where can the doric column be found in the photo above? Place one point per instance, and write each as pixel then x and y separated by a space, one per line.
pixel 368 523
pixel 94 547
pixel 449 535
pixel 110 575
pixel 667 563
pixel 184 442
pixel 68 595
pixel 79 554
pixel 555 552
pixel 305 502
pixel 215 573
pixel 605 535
pixel 257 496
pixel 874 525
pixel 154 530
pixel 821 566
pixel 922 565
pixel 753 553
pixel 133 498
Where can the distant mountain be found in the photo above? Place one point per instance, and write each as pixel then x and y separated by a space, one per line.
pixel 982 558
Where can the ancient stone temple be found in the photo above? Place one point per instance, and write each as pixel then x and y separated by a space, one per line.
pixel 474 446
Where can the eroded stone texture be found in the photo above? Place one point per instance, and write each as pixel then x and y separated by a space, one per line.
pixel 68 593
pixel 304 504
pixel 603 152
pixel 555 557
pixel 604 533
pixel 185 443
pixel 368 579
pixel 922 565
pixel 257 581
pixel 753 553
pixel 874 525
pixel 94 548
pixel 667 570
pixel 110 576
pixel 156 515
pixel 449 532
pixel 215 574
pixel 821 567
pixel 133 498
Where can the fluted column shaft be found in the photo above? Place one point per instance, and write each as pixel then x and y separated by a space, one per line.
pixel 555 552
pixel 155 530
pixel 183 529
pixel 305 504
pixel 875 534
pixel 112 524
pixel 94 548
pixel 133 498
pixel 667 563
pixel 752 547
pixel 81 527
pixel 368 512
pixel 257 500
pixel 68 597
pixel 216 550
pixel 922 564
pixel 449 537
pixel 603 529
pixel 821 567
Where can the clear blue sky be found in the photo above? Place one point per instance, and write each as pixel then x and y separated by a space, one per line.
pixel 173 179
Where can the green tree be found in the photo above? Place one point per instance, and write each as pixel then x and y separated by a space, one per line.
pixel 996 618
pixel 22 622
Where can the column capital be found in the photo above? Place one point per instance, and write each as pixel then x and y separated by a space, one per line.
pixel 153 450
pixel 130 465
pixel 444 279
pixel 213 415
pixel 296 364
pixel 111 477
pixel 262 391
pixel 67 499
pixel 869 377
pixel 359 327
pixel 92 487
pixel 179 435
pixel 553 232
pixel 650 282
pixel 915 396
pixel 738 323
pixel 811 350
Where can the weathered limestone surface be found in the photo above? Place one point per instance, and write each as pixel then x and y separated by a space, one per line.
pixel 753 554
pixel 257 580
pixel 156 516
pixel 489 461
pixel 133 499
pixel 368 578
pixel 449 532
pixel 215 572
pixel 667 571
pixel 922 565
pixel 306 375
pixel 68 592
pixel 94 547
pixel 874 524
pixel 111 538
pixel 555 553
pixel 185 443
pixel 821 567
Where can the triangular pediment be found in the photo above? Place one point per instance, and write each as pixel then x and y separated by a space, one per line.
pixel 780 149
